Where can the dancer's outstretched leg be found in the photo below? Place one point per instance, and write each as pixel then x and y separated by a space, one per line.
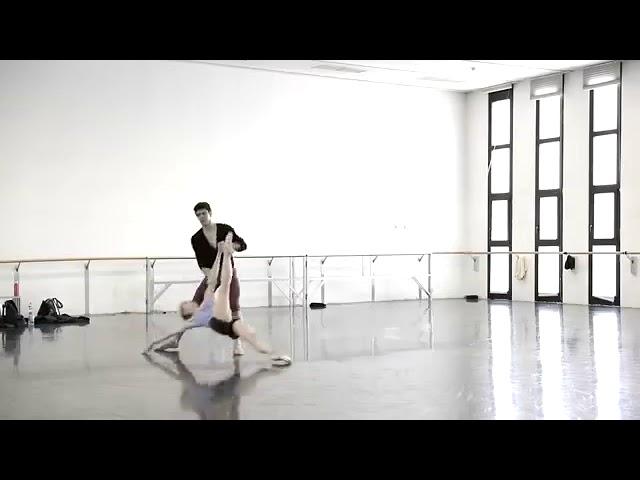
pixel 222 310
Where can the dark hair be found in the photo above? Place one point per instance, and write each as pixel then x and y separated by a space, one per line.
pixel 202 205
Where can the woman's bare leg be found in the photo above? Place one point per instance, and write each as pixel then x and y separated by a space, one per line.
pixel 233 290
pixel 248 333
pixel 222 307
pixel 221 304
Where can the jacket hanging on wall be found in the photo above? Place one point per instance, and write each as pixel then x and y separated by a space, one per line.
pixel 570 263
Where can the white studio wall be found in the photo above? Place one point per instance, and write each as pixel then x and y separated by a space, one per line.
pixel 630 183
pixel 107 158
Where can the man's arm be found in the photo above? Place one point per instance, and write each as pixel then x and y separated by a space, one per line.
pixel 239 245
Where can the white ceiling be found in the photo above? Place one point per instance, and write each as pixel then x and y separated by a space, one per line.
pixel 455 75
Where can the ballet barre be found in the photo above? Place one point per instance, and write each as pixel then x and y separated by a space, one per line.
pixel 290 291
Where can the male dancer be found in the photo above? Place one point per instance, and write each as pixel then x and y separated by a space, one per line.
pixel 204 243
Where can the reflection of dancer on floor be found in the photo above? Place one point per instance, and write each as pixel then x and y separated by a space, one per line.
pixel 211 401
pixel 215 311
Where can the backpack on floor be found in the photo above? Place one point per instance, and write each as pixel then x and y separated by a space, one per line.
pixel 49 314
pixel 50 306
pixel 11 316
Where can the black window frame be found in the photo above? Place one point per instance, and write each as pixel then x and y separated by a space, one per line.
pixel 558 193
pixel 506 94
pixel 596 189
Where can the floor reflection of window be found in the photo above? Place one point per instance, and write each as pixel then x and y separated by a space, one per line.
pixel 607 360
pixel 501 361
pixel 550 328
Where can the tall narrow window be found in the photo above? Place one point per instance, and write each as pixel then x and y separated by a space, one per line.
pixel 548 95
pixel 604 182
pixel 499 198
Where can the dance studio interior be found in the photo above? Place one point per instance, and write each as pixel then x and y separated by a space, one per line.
pixel 357 239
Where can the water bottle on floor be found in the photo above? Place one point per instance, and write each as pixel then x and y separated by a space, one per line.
pixel 30 314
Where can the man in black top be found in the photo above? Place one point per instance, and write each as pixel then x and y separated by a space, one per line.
pixel 204 243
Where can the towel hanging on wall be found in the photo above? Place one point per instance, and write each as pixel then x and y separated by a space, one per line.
pixel 521 267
